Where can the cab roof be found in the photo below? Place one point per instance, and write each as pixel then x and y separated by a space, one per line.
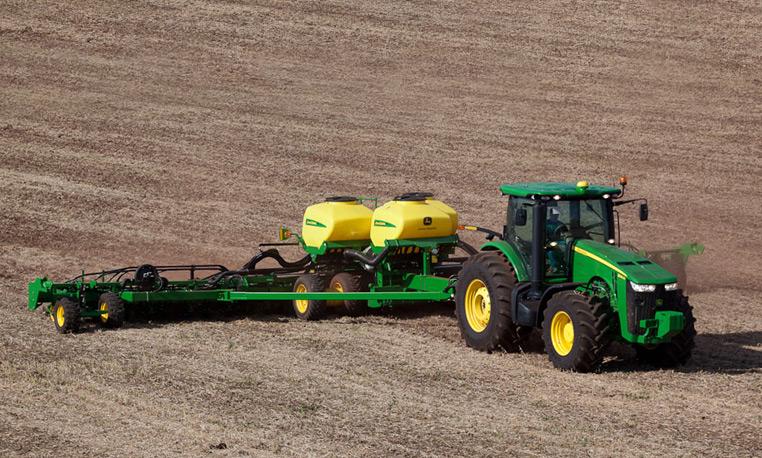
pixel 565 190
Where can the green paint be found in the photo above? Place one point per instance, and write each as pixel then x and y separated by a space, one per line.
pixel 565 190
pixel 312 222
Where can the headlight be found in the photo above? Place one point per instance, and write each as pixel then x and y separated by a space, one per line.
pixel 670 287
pixel 643 288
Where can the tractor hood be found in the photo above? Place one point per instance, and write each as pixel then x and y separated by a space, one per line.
pixel 635 268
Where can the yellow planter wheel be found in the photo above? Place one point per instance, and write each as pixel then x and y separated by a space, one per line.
pixel 65 315
pixel 345 282
pixel 309 309
pixel 113 310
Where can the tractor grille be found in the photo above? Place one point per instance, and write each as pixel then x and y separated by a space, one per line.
pixel 643 306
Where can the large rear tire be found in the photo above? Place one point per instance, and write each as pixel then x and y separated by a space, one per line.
pixel 677 351
pixel 115 310
pixel 309 309
pixel 65 315
pixel 576 330
pixel 483 303
pixel 350 283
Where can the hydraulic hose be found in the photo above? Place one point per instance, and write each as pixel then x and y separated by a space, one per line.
pixel 369 263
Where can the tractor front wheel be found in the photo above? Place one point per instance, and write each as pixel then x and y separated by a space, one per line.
pixel 112 309
pixel 309 309
pixel 483 303
pixel 576 331
pixel 677 351
pixel 65 315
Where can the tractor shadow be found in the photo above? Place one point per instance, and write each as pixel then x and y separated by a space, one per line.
pixel 731 353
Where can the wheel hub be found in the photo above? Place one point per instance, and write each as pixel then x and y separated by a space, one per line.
pixel 478 305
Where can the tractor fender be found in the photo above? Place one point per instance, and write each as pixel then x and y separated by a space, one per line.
pixel 511 254
pixel 531 314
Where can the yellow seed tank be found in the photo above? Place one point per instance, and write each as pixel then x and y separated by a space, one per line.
pixel 338 219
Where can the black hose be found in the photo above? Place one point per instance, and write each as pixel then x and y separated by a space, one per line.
pixel 274 254
pixel 467 248
pixel 250 267
pixel 369 263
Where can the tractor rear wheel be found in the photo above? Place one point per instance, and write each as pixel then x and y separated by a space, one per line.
pixel 483 302
pixel 309 309
pixel 677 351
pixel 345 282
pixel 65 315
pixel 576 330
pixel 114 308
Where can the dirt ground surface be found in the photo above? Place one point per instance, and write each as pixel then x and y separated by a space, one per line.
pixel 190 130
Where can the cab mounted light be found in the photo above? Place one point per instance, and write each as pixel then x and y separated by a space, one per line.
pixel 623 180
pixel 671 286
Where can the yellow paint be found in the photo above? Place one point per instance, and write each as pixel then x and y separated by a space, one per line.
pixel 104 308
pixel 401 219
pixel 590 255
pixel 478 306
pixel 562 333
pixel 301 304
pixel 343 221
pixel 60 320
pixel 449 211
pixel 336 286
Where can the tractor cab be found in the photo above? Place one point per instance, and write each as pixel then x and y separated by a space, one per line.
pixel 549 217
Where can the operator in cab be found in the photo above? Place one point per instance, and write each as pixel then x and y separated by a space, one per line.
pixel 555 242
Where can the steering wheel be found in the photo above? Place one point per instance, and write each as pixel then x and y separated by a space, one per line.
pixel 559 231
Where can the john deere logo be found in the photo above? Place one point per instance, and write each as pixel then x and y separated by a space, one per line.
pixel 427 221
pixel 312 222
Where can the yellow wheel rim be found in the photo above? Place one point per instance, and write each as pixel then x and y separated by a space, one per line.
pixel 339 289
pixel 104 308
pixel 478 305
pixel 562 333
pixel 301 304
pixel 60 316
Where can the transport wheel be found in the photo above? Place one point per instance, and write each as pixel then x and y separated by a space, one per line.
pixel 345 282
pixel 677 351
pixel 309 309
pixel 65 314
pixel 483 303
pixel 576 330
pixel 115 310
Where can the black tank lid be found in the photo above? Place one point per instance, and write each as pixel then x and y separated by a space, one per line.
pixel 415 196
pixel 341 199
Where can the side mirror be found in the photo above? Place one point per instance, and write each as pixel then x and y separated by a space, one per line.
pixel 520 217
pixel 643 212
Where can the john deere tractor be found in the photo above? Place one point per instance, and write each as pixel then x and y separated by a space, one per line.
pixel 557 266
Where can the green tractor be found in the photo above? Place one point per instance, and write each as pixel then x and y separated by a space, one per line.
pixel 556 266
